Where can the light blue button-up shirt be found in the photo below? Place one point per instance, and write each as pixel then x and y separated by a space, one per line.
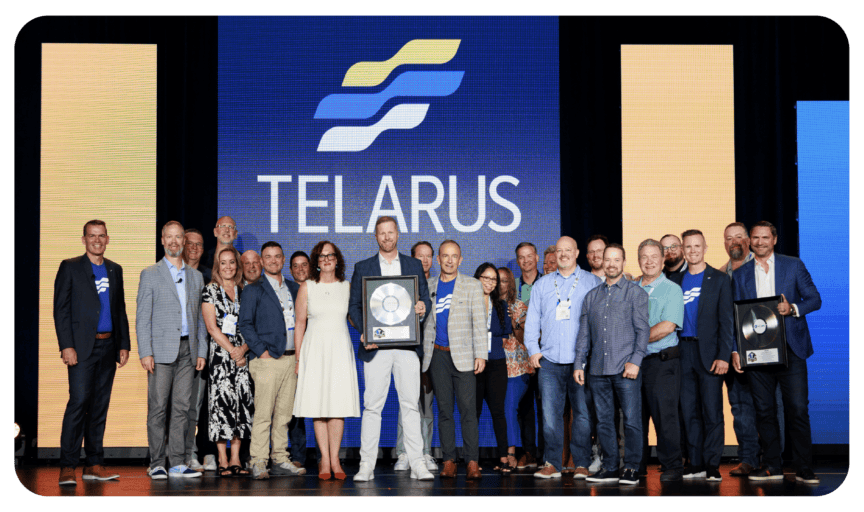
pixel 179 277
pixel 559 336
pixel 665 302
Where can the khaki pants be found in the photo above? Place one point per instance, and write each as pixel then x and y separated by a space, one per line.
pixel 275 383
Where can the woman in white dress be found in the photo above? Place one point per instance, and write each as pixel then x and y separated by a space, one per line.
pixel 327 388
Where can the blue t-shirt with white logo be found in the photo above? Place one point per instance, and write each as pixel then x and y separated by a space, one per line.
pixel 692 287
pixel 442 311
pixel 101 274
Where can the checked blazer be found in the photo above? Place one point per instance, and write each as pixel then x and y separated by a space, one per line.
pixel 466 325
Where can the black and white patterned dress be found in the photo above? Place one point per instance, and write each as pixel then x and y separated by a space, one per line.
pixel 231 389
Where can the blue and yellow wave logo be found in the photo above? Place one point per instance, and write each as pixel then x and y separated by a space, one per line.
pixel 403 116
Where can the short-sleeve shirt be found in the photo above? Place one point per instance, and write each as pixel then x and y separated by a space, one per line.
pixel 665 303
pixel 692 288
pixel 444 295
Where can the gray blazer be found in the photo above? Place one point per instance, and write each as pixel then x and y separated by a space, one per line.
pixel 466 325
pixel 157 317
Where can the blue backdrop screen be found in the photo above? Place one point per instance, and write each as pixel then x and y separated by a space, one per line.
pixel 450 125
pixel 823 220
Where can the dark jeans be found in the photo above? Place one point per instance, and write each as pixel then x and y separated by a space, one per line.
pixel 492 386
pixel 532 433
pixel 447 383
pixel 297 434
pixel 557 385
pixel 605 390
pixel 702 407
pixel 793 385
pixel 90 383
pixel 743 416
pixel 660 394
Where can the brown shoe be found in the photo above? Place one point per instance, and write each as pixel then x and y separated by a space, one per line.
pixel 473 471
pixel 742 469
pixel 526 461
pixel 98 472
pixel 548 471
pixel 449 470
pixel 67 476
pixel 581 473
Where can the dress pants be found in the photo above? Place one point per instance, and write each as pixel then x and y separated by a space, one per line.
pixel 661 382
pixel 275 384
pixel 90 383
pixel 448 382
pixel 427 419
pixel 532 432
pixel 404 366
pixel 702 407
pixel 196 401
pixel 172 381
pixel 607 390
pixel 557 386
pixel 492 387
pixel 794 386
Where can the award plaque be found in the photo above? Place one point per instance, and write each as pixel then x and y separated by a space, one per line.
pixel 761 332
pixel 388 311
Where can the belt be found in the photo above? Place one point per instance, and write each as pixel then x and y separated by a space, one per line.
pixel 443 349
pixel 665 354
pixel 103 335
pixel 184 338
pixel 288 353
pixel 689 338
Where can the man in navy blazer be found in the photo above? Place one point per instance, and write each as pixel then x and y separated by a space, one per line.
pixel 380 363
pixel 266 322
pixel 768 275
pixel 705 348
pixel 93 332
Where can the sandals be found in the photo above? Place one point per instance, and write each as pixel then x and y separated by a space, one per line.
pixel 223 472
pixel 508 466
pixel 238 471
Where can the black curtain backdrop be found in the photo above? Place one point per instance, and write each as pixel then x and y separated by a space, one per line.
pixel 777 61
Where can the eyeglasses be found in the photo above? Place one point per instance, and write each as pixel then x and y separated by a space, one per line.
pixel 223 226
pixel 488 279
pixel 670 247
pixel 326 256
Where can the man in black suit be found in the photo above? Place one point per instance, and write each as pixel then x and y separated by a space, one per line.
pixel 705 348
pixel 93 332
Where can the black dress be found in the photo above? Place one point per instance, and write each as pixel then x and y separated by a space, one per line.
pixel 231 389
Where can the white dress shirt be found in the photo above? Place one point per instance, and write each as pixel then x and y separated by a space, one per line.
pixel 390 269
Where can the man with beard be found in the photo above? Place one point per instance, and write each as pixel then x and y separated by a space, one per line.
pixel 617 347
pixel 661 368
pixel 251 267
pixel 192 252
pixel 768 275
pixel 225 233
pixel 673 253
pixel 171 333
pixel 594 249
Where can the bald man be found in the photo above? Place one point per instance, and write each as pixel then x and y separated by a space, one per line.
pixel 555 309
pixel 225 232
pixel 251 267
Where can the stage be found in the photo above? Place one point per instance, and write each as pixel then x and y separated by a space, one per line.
pixel 134 481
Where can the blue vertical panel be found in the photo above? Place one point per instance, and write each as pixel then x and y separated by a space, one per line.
pixel 823 210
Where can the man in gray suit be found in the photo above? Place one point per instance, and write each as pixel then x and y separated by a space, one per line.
pixel 455 350
pixel 171 334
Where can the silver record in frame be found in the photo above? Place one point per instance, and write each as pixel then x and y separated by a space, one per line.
pixel 388 311
pixel 761 332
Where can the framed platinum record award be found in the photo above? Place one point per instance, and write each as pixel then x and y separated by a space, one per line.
pixel 388 311
pixel 761 332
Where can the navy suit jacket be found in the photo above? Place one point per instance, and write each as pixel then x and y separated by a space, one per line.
pixel 715 323
pixel 77 306
pixel 791 279
pixel 261 321
pixel 372 268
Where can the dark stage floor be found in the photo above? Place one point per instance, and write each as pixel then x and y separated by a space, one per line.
pixel 134 481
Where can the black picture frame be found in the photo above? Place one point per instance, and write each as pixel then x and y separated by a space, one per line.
pixel 403 333
pixel 761 332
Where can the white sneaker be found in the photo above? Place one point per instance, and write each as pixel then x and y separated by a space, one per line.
pixel 210 463
pixel 402 462
pixel 596 464
pixel 194 465
pixel 419 471
pixel 431 465
pixel 365 473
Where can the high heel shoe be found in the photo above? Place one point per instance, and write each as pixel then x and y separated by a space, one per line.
pixel 322 475
pixel 339 475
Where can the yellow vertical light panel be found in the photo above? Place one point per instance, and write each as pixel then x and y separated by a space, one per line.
pixel 98 161
pixel 678 148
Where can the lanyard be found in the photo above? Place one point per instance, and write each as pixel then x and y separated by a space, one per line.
pixel 555 281
pixel 230 308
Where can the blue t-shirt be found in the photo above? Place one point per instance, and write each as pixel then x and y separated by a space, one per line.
pixel 102 284
pixel 692 287
pixel 442 311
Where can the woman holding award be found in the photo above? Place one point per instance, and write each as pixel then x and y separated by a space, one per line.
pixel 327 388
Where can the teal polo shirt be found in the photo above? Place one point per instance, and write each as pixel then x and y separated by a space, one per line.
pixel 665 302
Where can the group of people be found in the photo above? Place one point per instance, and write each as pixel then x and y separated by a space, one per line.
pixel 585 346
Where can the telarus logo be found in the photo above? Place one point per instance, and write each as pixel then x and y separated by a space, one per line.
pixel 403 116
